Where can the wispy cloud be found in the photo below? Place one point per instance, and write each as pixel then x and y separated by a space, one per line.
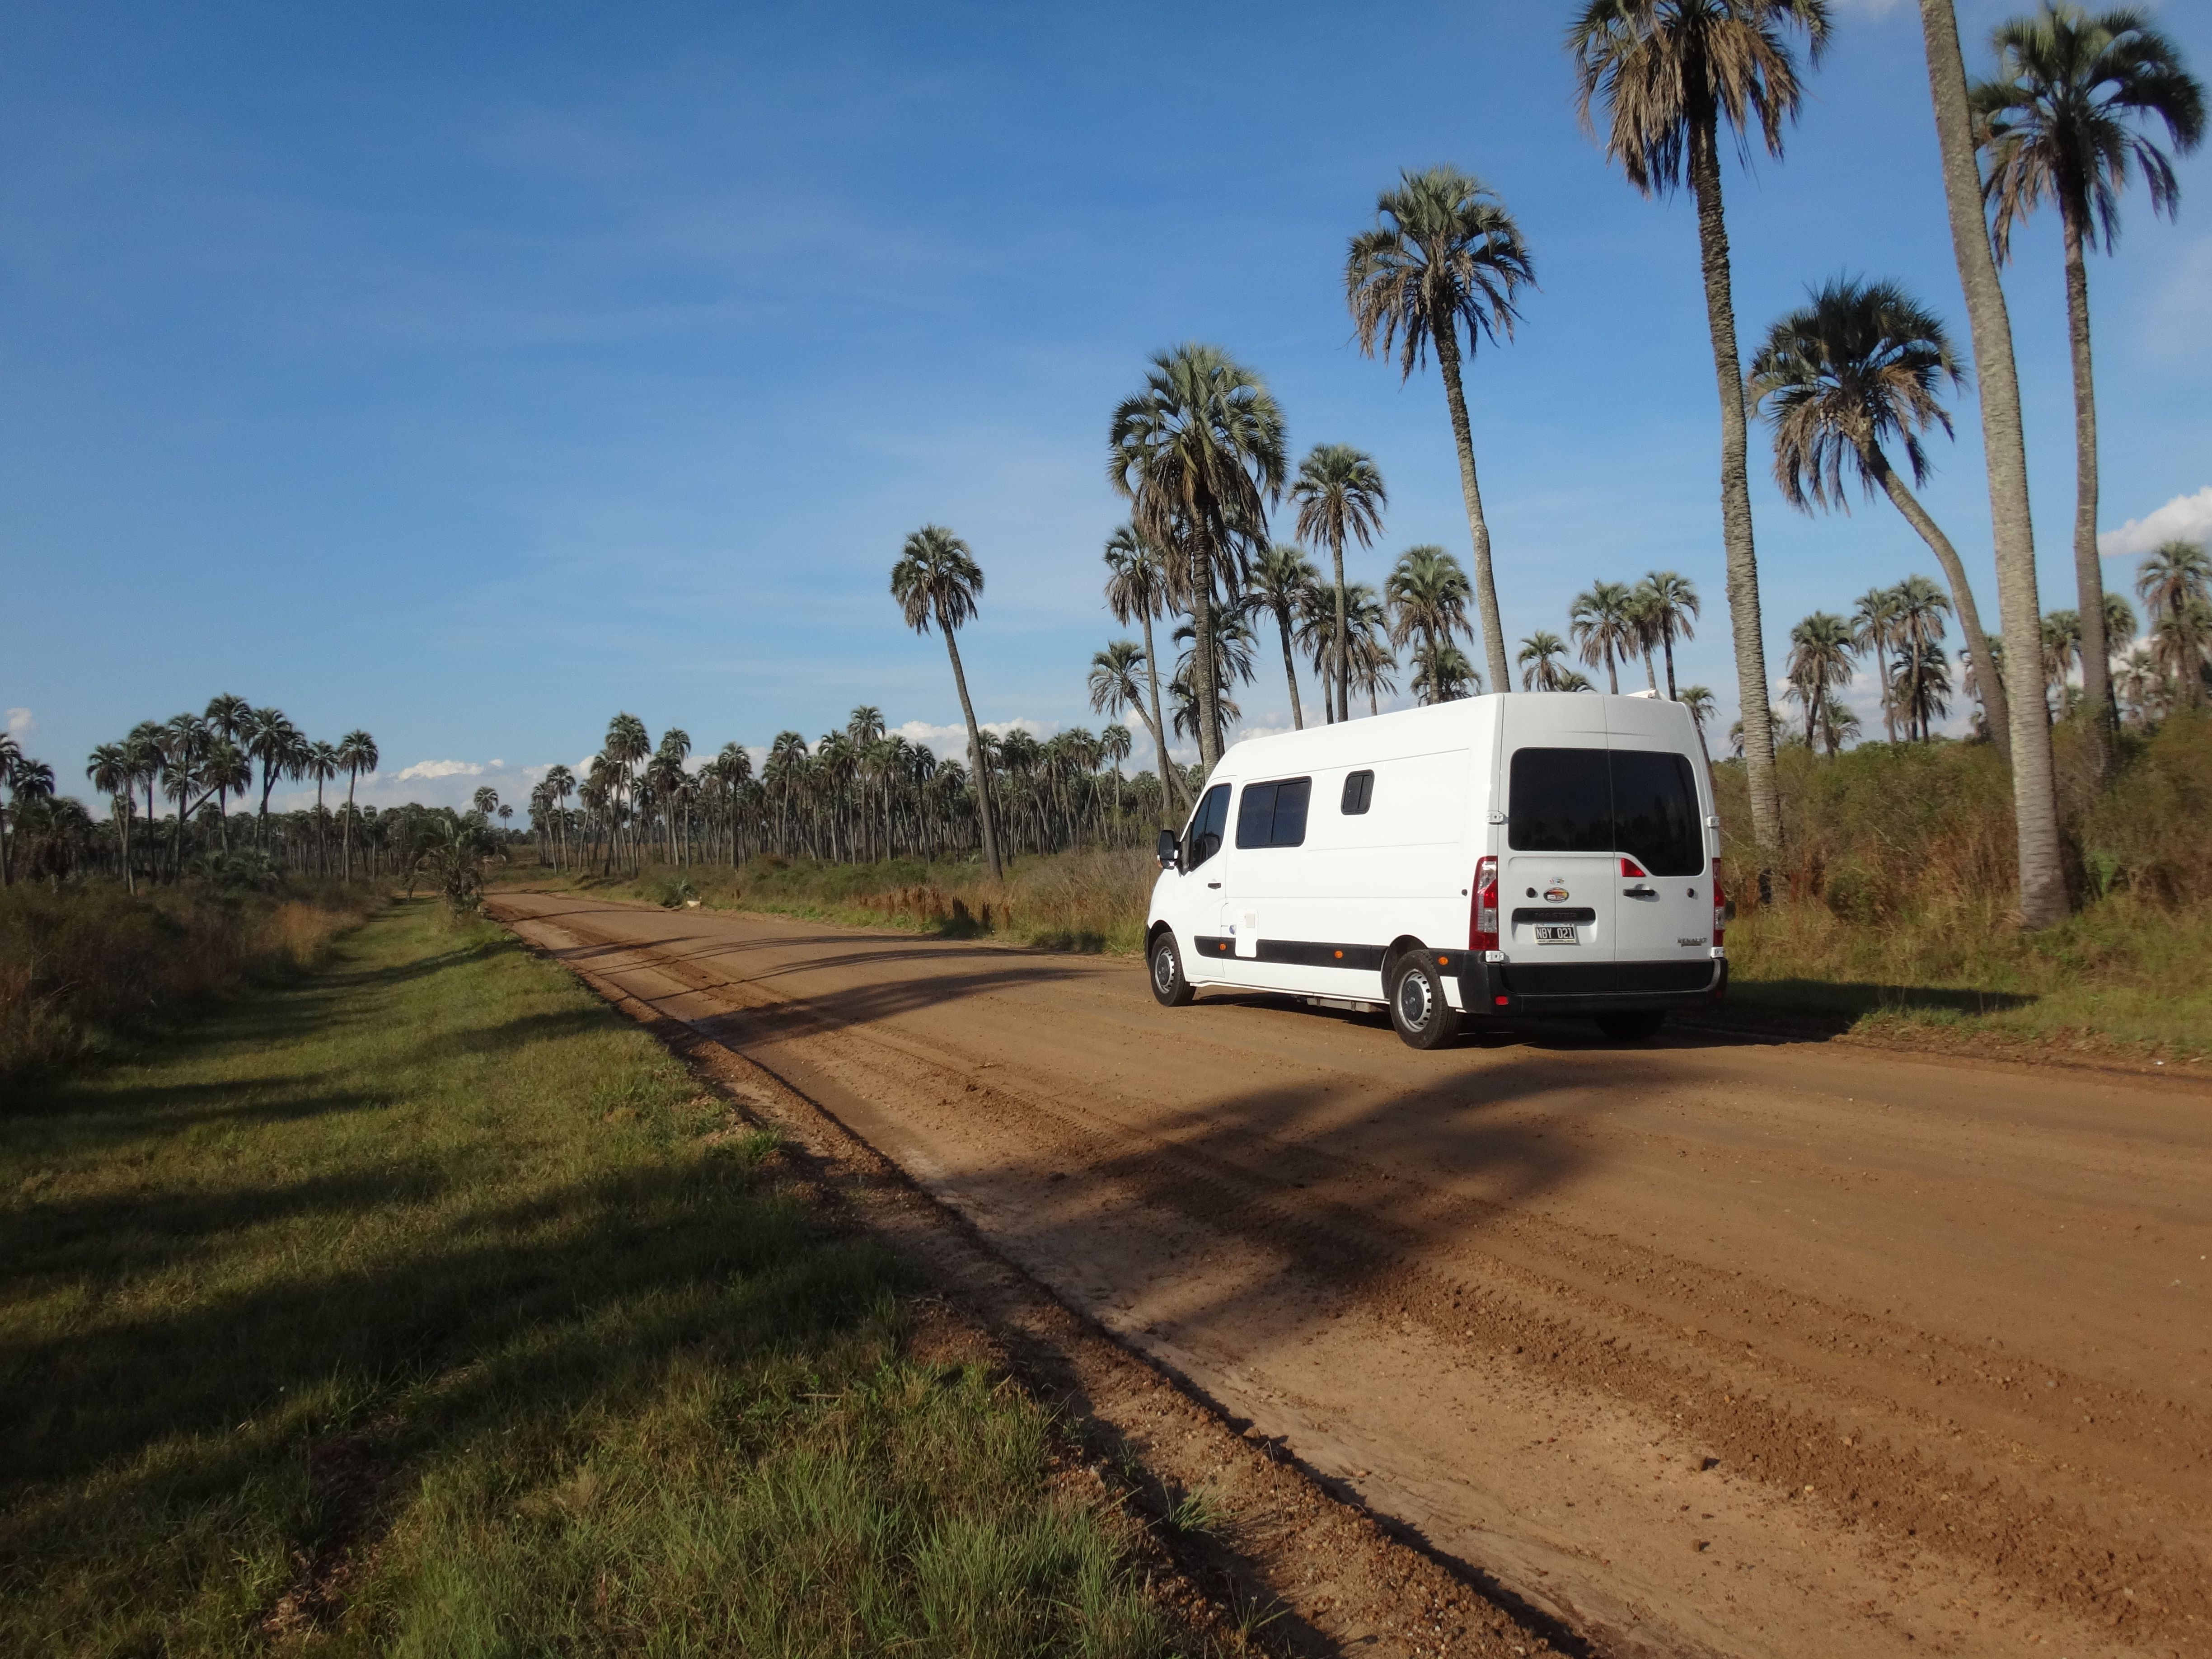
pixel 20 723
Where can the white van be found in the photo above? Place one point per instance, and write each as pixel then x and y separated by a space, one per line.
pixel 1495 857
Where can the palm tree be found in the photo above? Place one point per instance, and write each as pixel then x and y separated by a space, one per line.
pixel 1281 580
pixel 1920 607
pixel 1539 671
pixel 1137 588
pixel 357 754
pixel 626 747
pixel 1668 73
pixel 2062 655
pixel 938 579
pixel 1112 683
pixel 1340 495
pixel 1366 638
pixel 2063 118
pixel 1700 701
pixel 1428 594
pixel 1875 630
pixel 1442 672
pixel 1234 648
pixel 1198 453
pixel 109 769
pixel 1861 365
pixel 1603 624
pixel 2043 898
pixel 322 765
pixel 1444 256
pixel 1670 603
pixel 1820 651
pixel 2175 584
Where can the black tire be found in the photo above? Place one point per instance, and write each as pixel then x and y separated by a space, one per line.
pixel 1170 988
pixel 1640 1027
pixel 1423 1016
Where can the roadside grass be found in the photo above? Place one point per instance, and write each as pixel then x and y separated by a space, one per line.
pixel 426 1306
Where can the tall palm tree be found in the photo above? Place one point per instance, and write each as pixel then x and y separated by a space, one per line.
pixel 1444 256
pixel 1670 601
pixel 1700 701
pixel 357 754
pixel 322 765
pixel 2062 655
pixel 1281 580
pixel 1603 624
pixel 2043 899
pixel 1820 651
pixel 1428 594
pixel 938 579
pixel 2175 584
pixel 1920 607
pixel 1859 367
pixel 626 747
pixel 109 769
pixel 2063 117
pixel 1875 630
pixel 1234 648
pixel 1113 685
pixel 1669 72
pixel 1340 494
pixel 1137 590
pixel 1198 453
pixel 1539 671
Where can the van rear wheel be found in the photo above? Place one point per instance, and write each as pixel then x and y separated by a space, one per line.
pixel 1418 1008
pixel 1638 1027
pixel 1171 989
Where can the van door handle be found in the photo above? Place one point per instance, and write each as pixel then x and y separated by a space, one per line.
pixel 1214 883
pixel 1639 892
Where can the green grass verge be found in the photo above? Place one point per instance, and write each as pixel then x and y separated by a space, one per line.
pixel 426 1307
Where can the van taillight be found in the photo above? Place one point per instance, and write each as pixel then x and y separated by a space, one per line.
pixel 1720 904
pixel 1483 924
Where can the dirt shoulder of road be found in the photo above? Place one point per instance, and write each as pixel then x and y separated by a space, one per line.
pixel 1268 1553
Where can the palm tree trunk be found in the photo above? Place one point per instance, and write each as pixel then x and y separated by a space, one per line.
pixel 1996 713
pixel 2035 800
pixel 1339 697
pixel 1744 619
pixel 2097 699
pixel 1170 795
pixel 1478 528
pixel 1650 675
pixel 1667 641
pixel 1201 658
pixel 982 772
pixel 1290 670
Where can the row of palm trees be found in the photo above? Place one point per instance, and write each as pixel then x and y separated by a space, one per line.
pixel 1901 630
pixel 200 764
pixel 859 794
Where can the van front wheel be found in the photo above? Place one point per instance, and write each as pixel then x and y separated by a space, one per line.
pixel 1418 1008
pixel 1169 988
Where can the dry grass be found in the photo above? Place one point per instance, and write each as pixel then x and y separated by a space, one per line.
pixel 87 963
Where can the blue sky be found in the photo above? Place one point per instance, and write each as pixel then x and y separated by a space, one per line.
pixel 471 372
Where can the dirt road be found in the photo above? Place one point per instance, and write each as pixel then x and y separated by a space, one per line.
pixel 1713 1346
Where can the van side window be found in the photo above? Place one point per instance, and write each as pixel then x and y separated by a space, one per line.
pixel 1358 793
pixel 1274 814
pixel 1642 802
pixel 1203 839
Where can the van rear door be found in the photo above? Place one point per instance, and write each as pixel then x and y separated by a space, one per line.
pixel 1556 885
pixel 1663 909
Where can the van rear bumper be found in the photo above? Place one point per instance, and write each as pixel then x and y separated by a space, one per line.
pixel 1503 989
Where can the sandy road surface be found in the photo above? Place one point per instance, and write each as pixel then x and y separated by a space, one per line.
pixel 1707 1346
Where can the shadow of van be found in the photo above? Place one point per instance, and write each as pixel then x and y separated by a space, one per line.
pixel 1828 1006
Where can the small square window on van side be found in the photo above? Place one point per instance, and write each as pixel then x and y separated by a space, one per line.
pixel 1255 816
pixel 1358 793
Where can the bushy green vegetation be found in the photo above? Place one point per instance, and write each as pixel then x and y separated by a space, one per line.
pixel 427 1306
pixel 83 963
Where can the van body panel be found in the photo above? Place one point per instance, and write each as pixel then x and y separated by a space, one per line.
pixel 1398 809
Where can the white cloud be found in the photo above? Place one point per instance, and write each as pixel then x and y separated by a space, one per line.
pixel 19 723
pixel 2183 519
pixel 950 742
pixel 441 769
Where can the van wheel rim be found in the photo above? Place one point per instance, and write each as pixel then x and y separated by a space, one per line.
pixel 1414 1001
pixel 1163 970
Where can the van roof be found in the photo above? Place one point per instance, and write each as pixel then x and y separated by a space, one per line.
pixel 1415 731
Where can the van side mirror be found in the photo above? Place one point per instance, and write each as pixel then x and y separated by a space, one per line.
pixel 1170 851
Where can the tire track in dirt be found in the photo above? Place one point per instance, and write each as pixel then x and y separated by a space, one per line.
pixel 1952 1503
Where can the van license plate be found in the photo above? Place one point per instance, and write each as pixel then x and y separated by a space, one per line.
pixel 1555 933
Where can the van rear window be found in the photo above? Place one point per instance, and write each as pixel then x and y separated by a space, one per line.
pixel 1274 814
pixel 1640 802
